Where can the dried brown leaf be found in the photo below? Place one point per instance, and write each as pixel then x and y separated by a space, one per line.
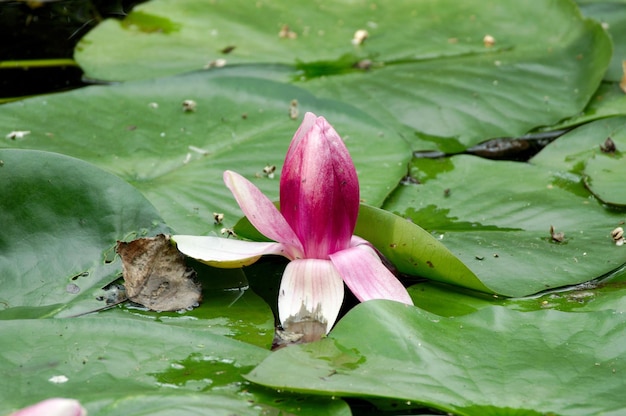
pixel 156 276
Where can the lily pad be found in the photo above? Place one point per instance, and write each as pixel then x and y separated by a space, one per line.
pixel 608 101
pixel 604 176
pixel 496 217
pixel 595 152
pixel 612 15
pixel 570 152
pixel 493 361
pixel 61 219
pixel 140 132
pixel 466 72
pixel 134 367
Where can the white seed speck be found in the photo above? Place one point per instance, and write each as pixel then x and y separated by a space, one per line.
pixel 359 37
pixel 17 134
pixel 58 379
pixel 189 106
pixel 489 41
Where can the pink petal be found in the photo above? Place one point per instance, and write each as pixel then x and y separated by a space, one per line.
pixel 307 124
pixel 367 277
pixel 319 189
pixel 225 253
pixel 53 407
pixel 262 213
pixel 310 290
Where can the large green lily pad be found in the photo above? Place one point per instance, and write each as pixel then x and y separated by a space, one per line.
pixel 137 367
pixel 496 217
pixel 612 15
pixel 494 361
pixel 61 218
pixel 608 101
pixel 587 151
pixel 430 67
pixel 140 132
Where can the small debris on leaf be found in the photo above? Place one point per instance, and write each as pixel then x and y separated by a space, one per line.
pixel 608 146
pixel 58 379
pixel 293 109
pixel 269 170
pixel 218 63
pixel 618 236
pixel 72 288
pixel 228 49
pixel 189 106
pixel 17 134
pixel 228 232
pixel 489 41
pixel 156 276
pixel 446 192
pixel 556 237
pixel 359 37
pixel 287 33
pixel 363 64
pixel 218 217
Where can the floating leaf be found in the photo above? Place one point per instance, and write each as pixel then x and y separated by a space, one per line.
pixel 465 73
pixel 140 132
pixel 595 152
pixel 61 218
pixel 493 361
pixel 612 15
pixel 605 176
pixel 608 101
pixel 496 218
pixel 137 367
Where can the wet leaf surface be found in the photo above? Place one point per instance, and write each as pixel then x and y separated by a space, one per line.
pixel 115 365
pixel 61 218
pixel 424 66
pixel 177 158
pixel 432 75
pixel 464 364
pixel 496 218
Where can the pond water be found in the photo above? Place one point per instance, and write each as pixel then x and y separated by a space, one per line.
pixel 39 39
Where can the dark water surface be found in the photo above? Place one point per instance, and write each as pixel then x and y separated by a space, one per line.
pixel 37 40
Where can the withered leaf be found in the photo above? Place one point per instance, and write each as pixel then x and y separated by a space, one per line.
pixel 156 276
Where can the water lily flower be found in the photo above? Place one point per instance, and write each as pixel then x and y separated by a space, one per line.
pixel 53 407
pixel 319 204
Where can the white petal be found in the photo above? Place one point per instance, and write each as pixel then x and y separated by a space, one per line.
pixel 367 277
pixel 310 290
pixel 224 252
